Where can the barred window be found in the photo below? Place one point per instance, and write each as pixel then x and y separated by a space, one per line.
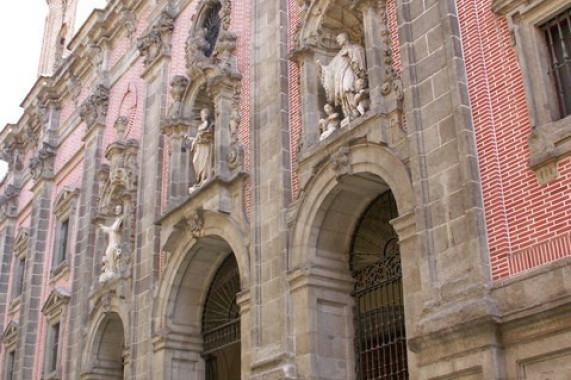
pixel 558 38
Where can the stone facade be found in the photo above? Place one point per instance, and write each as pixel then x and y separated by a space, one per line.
pixel 179 206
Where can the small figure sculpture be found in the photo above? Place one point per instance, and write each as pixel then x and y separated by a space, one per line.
pixel 113 252
pixel 201 147
pixel 339 76
pixel 330 123
pixel 362 96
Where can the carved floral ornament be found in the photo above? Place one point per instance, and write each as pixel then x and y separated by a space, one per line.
pixel 157 41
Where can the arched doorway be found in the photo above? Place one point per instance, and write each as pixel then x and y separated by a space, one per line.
pixel 375 263
pixel 108 349
pixel 221 324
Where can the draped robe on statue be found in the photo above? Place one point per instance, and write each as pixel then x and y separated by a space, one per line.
pixel 339 76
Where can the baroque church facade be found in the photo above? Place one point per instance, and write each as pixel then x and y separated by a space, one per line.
pixel 292 189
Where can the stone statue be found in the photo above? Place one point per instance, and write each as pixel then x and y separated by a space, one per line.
pixel 330 123
pixel 201 147
pixel 340 75
pixel 113 252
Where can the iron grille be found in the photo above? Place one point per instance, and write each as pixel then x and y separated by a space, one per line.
pixel 558 38
pixel 221 317
pixel 380 338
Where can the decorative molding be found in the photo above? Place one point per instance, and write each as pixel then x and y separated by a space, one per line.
pixel 129 20
pixel 53 307
pixel 64 200
pixel 74 87
pixel 21 242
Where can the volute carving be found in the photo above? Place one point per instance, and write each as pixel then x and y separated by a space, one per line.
pixel 157 41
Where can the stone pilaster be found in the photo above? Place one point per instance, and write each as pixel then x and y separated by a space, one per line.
pixel 455 279
pixel 271 182
pixel 33 278
pixel 85 265
pixel 7 236
pixel 148 211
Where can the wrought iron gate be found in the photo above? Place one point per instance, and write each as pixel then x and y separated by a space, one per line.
pixel 380 339
pixel 221 317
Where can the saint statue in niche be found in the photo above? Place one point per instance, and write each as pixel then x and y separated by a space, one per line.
pixel 339 77
pixel 201 147
pixel 113 252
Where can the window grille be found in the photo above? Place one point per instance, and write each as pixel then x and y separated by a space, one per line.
pixel 212 24
pixel 557 33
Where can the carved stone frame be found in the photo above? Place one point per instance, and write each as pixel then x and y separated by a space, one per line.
pixel 64 210
pixel 549 139
pixel 54 309
pixel 20 251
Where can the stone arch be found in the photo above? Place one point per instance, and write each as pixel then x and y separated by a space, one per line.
pixel 374 169
pixel 193 262
pixel 220 233
pixel 107 354
pixel 333 203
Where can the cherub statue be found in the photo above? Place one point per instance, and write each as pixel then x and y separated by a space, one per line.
pixel 362 96
pixel 330 123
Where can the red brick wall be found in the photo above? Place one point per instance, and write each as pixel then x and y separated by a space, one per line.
pixel 528 225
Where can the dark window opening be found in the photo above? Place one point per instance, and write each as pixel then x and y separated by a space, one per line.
pixel 212 24
pixel 557 33
pixel 53 348
pixel 9 368
pixel 19 277
pixel 62 242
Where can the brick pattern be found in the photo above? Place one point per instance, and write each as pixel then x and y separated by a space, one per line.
pixel 520 214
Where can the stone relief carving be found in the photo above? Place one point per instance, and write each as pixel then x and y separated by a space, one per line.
pixel 95 54
pixel 196 223
pixel 41 164
pixel 74 87
pixel 179 85
pixel 202 150
pixel 235 154
pixel 209 50
pixel 9 201
pixel 129 22
pixel 94 108
pixel 339 77
pixel 114 232
pixel 340 162
pixel 158 40
pixel 392 81
pixel 12 154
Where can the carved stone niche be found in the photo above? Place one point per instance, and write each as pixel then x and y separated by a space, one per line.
pixel 93 111
pixel 157 41
pixel 202 130
pixel 343 49
pixel 117 205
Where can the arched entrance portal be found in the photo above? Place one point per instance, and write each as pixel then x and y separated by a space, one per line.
pixel 221 323
pixel 108 349
pixel 380 340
